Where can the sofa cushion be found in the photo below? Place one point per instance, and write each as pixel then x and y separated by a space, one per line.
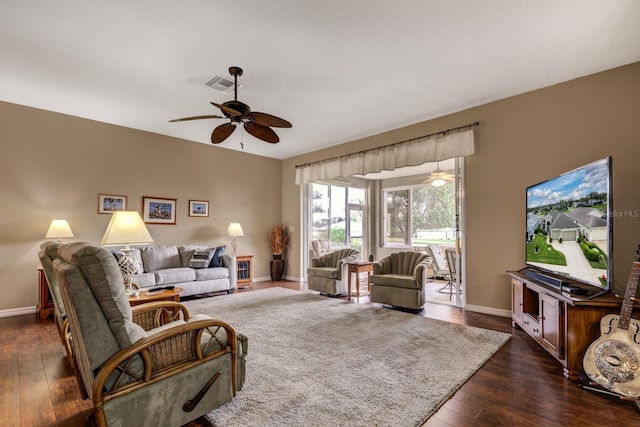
pixel 202 257
pixel 216 261
pixel 160 257
pixel 326 272
pixel 169 276
pixel 395 280
pixel 212 273
pixel 144 280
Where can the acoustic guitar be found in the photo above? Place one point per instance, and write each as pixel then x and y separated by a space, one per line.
pixel 613 360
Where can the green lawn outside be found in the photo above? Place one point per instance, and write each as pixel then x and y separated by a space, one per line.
pixel 546 254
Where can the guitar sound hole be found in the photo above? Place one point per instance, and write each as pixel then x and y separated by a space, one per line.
pixel 613 361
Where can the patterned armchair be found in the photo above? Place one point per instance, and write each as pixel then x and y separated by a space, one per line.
pixel 328 273
pixel 399 279
pixel 148 366
pixel 319 247
pixel 439 265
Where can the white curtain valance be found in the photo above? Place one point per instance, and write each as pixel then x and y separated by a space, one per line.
pixel 390 157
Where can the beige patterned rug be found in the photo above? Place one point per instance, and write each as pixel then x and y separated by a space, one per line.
pixel 317 361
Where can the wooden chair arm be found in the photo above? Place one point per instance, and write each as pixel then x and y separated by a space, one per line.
pixel 164 354
pixel 153 314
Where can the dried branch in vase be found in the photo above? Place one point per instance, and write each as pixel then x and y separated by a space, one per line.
pixel 279 239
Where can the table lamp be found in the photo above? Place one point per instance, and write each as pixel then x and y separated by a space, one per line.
pixel 59 229
pixel 126 228
pixel 235 230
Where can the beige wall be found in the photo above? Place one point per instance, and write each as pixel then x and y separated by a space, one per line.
pixel 523 140
pixel 54 166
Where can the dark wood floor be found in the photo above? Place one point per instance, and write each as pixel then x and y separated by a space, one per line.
pixel 521 385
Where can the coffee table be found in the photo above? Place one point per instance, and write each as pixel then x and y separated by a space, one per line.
pixel 162 295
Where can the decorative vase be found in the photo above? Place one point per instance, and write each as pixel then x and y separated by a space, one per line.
pixel 277 268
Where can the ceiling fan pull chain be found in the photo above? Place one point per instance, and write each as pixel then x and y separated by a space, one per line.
pixel 242 140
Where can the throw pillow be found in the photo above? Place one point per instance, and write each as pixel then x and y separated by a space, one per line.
pixel 216 261
pixel 202 257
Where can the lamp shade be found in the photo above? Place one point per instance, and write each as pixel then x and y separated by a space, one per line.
pixel 125 228
pixel 59 229
pixel 235 230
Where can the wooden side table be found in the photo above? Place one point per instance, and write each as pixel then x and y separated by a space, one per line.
pixel 243 267
pixel 357 268
pixel 45 300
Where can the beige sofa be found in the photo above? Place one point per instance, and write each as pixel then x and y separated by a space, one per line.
pixel 170 266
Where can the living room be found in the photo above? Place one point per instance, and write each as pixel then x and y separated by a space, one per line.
pixel 235 183
pixel 55 165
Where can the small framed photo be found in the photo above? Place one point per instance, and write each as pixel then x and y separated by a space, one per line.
pixel 108 203
pixel 198 208
pixel 159 210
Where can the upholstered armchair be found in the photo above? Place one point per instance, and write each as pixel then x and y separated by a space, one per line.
pixel 328 273
pixel 150 366
pixel 48 252
pixel 399 279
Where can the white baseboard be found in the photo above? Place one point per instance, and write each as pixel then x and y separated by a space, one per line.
pixel 268 279
pixel 17 311
pixel 488 310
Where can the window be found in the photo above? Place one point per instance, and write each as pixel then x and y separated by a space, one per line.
pixel 419 215
pixel 337 214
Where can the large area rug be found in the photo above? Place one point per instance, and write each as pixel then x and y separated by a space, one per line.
pixel 317 361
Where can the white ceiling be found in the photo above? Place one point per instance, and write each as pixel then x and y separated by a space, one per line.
pixel 338 70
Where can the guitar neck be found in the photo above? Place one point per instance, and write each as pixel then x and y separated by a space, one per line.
pixel 629 294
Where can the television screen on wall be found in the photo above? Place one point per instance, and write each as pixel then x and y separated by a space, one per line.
pixel 569 225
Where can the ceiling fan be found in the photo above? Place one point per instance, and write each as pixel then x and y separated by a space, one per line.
pixel 438 178
pixel 255 123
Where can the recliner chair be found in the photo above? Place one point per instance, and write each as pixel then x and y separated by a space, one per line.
pixel 169 371
pixel 328 273
pixel 399 279
pixel 48 252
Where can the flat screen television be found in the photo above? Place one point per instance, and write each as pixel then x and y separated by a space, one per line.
pixel 569 225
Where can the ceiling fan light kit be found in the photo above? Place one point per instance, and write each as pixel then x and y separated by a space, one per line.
pixel 255 123
pixel 438 178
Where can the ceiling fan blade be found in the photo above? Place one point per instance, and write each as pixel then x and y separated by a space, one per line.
pixel 184 119
pixel 227 110
pixel 265 119
pixel 222 132
pixel 264 133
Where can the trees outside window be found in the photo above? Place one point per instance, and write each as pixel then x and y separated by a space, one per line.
pixel 419 215
pixel 331 218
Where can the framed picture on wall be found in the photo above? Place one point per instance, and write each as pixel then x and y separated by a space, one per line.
pixel 159 210
pixel 198 208
pixel 108 203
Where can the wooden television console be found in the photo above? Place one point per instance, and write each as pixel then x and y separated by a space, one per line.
pixel 564 324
